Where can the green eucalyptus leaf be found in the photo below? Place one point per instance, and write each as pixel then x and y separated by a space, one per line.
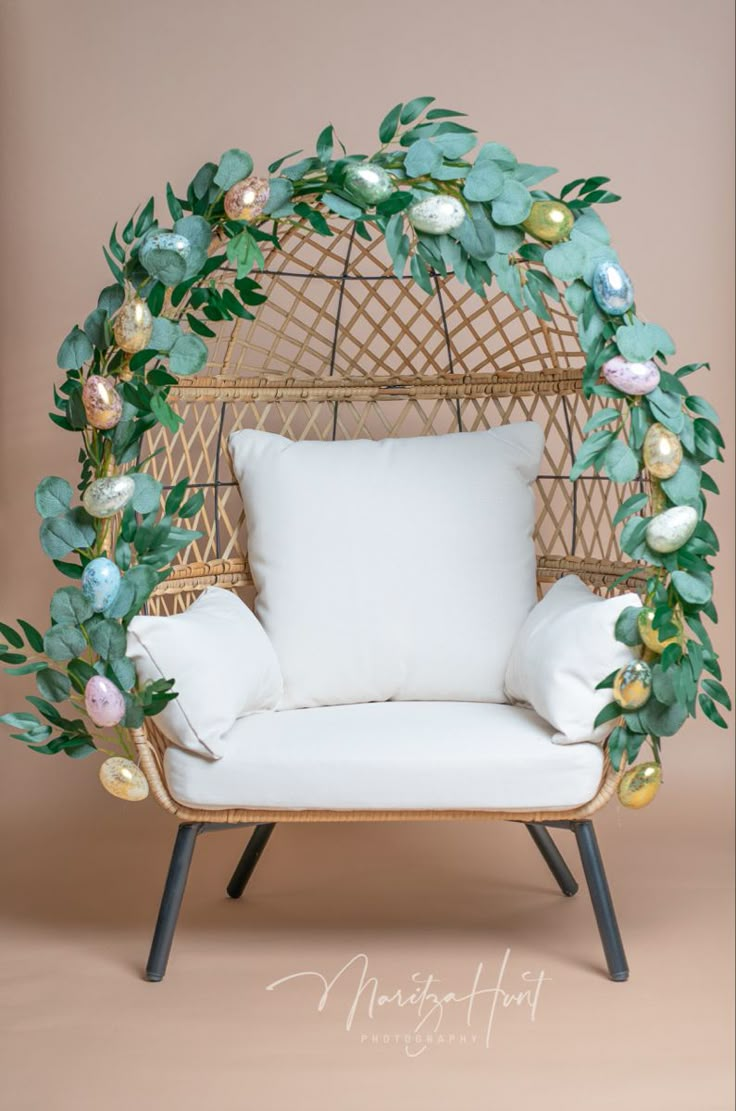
pixel 422 158
pixel 69 606
pixel 342 207
pixel 96 329
pixel 639 342
pixel 122 672
pixel 566 261
pixel 110 299
pixel 661 719
pixel 164 335
pixel 496 152
pixel 107 638
pixel 233 167
pixel 620 463
pixel 683 488
pixel 693 587
pixel 280 193
pixel 74 351
pixel 476 233
pixel 187 356
pixel 64 641
pixel 53 685
pixel 67 532
pixel 512 205
pixel 485 182
pixel 196 229
pixel 147 494
pixel 627 626
pixel 53 496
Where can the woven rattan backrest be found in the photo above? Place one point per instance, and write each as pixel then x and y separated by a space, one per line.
pixel 343 349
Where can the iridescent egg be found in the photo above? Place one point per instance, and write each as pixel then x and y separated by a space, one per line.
pixel 247 199
pixel 101 582
pixel 104 702
pixel 368 183
pixel 133 325
pixel 633 685
pixel 107 496
pixel 103 405
pixel 123 779
pixel 612 288
pixel 650 636
pixel 436 215
pixel 638 786
pixel 634 379
pixel 164 255
pixel 550 221
pixel 669 530
pixel 662 452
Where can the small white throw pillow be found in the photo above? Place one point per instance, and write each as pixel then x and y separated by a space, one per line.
pixel 566 646
pixel 223 664
pixel 391 569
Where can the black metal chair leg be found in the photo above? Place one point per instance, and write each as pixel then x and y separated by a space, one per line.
pixel 176 881
pixel 553 858
pixel 249 859
pixel 600 897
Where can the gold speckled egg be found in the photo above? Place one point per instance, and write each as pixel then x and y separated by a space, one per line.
pixel 133 325
pixel 662 451
pixel 247 199
pixel 550 221
pixel 650 636
pixel 103 404
pixel 104 497
pixel 123 779
pixel 639 785
pixel 633 685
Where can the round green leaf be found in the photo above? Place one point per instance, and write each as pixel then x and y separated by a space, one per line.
pixel 485 182
pixel 694 588
pixel 70 607
pixel 422 158
pixel 476 233
pixel 107 639
pixel 95 330
pixel 513 204
pixel 627 626
pixel 53 685
pixel 234 166
pixel 53 495
pixel 111 298
pixel 188 355
pixel 164 335
pixel 663 720
pixel 147 494
pixel 195 229
pixel 122 672
pixel 63 641
pixel 566 261
pixel 280 193
pixel 74 351
pixel 620 462
pixel 67 532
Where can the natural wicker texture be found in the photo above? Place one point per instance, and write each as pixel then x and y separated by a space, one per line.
pixel 343 349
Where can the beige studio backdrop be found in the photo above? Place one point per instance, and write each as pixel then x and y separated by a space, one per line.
pixel 103 102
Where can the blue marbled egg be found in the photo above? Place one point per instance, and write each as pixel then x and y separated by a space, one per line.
pixel 101 583
pixel 612 288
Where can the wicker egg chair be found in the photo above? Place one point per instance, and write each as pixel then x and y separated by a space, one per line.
pixel 343 349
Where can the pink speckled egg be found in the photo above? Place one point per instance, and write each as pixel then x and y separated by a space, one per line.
pixel 631 378
pixel 104 702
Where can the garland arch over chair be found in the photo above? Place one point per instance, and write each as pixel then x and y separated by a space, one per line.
pixel 448 214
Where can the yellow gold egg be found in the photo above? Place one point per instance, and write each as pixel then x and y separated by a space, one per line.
pixel 650 636
pixel 639 785
pixel 133 325
pixel 550 221
pixel 123 779
pixel 247 199
pixel 633 685
pixel 662 451
pixel 103 405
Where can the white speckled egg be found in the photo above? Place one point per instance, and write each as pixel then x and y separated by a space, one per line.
pixel 107 496
pixel 631 378
pixel 437 214
pixel 123 779
pixel 669 530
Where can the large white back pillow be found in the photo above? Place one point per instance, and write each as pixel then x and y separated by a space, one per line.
pixel 566 646
pixel 391 569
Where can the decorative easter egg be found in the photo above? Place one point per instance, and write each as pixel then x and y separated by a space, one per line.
pixel 103 405
pixel 662 451
pixel 633 685
pixel 639 785
pixel 107 496
pixel 650 636
pixel 436 215
pixel 123 779
pixel 612 288
pixel 669 530
pixel 247 199
pixel 103 701
pixel 132 325
pixel 550 221
pixel 631 378
pixel 164 255
pixel 101 582
pixel 368 183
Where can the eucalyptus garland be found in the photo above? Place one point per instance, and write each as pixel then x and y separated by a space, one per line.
pixel 441 210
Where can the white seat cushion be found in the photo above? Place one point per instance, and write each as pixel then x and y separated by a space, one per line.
pixel 390 756
pixel 391 569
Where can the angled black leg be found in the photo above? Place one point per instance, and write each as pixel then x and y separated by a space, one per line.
pixel 600 897
pixel 553 858
pixel 176 881
pixel 249 859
